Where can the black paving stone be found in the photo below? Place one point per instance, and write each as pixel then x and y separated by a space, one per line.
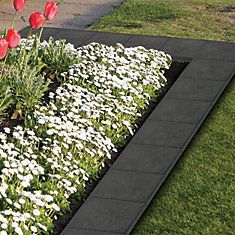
pixel 72 231
pixel 209 69
pixel 179 110
pixel 127 185
pixel 76 37
pixel 24 32
pixel 149 42
pixel 106 215
pixel 146 158
pixel 109 39
pixel 182 48
pixel 164 133
pixel 47 32
pixel 195 89
pixel 218 51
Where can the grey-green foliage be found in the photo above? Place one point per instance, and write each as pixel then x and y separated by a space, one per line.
pixel 57 57
pixel 5 97
pixel 24 83
pixel 28 87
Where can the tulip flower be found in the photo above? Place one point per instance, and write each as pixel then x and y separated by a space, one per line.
pixel 36 20
pixel 13 38
pixel 3 47
pixel 51 10
pixel 19 4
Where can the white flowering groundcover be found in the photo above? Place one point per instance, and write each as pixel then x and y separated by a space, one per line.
pixel 65 142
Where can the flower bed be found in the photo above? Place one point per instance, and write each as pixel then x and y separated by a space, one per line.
pixel 63 143
pixel 75 107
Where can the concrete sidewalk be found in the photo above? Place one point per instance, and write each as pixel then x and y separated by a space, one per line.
pixel 73 14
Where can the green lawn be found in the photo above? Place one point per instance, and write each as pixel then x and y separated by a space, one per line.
pixel 198 197
pixel 208 19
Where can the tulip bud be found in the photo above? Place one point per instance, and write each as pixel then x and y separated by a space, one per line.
pixel 3 47
pixel 51 10
pixel 19 4
pixel 36 20
pixel 13 38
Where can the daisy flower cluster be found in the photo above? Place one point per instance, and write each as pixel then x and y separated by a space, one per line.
pixel 65 142
pixel 123 81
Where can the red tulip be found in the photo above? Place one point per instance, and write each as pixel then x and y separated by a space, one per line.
pixel 19 4
pixel 13 38
pixel 3 47
pixel 36 20
pixel 51 10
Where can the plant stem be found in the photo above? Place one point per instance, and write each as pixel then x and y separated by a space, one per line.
pixel 40 34
pixel 13 20
pixel 24 49
pixel 37 41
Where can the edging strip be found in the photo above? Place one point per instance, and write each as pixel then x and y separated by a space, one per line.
pixel 124 193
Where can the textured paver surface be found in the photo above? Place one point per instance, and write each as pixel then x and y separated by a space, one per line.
pixel 122 195
pixel 73 14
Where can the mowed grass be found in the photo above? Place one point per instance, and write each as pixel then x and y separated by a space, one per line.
pixel 198 196
pixel 207 19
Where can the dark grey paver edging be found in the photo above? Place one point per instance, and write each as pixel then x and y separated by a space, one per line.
pixel 116 204
pixel 189 50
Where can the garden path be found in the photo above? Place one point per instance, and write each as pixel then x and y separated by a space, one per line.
pixel 74 14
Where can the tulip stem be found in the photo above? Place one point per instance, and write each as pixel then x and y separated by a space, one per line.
pixel 37 41
pixel 40 34
pixel 13 20
pixel 25 45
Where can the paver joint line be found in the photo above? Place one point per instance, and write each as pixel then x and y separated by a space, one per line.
pixel 121 200
pixel 94 230
pixel 144 172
